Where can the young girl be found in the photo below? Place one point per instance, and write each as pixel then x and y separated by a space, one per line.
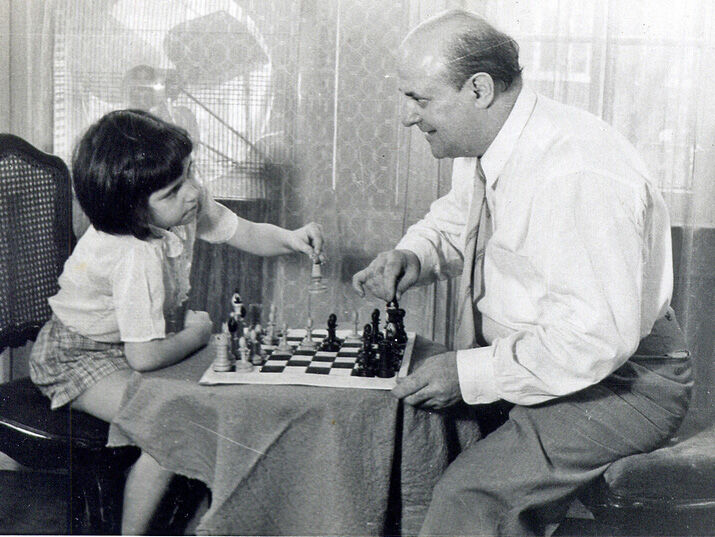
pixel 128 276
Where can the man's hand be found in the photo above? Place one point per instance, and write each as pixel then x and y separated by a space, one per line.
pixel 435 384
pixel 389 275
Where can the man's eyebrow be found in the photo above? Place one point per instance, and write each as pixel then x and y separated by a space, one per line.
pixel 414 95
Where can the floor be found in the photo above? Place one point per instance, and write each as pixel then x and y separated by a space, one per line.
pixel 34 503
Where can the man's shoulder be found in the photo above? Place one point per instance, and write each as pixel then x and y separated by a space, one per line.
pixel 566 139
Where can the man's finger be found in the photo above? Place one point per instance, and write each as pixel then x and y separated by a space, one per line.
pixel 420 397
pixel 391 276
pixel 408 385
pixel 358 280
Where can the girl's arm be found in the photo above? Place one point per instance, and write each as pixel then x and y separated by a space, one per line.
pixel 269 240
pixel 159 353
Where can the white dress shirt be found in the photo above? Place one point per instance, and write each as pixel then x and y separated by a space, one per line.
pixel 579 265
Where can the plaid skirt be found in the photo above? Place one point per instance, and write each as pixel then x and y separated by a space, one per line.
pixel 63 363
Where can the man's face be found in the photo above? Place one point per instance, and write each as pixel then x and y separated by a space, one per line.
pixel 447 117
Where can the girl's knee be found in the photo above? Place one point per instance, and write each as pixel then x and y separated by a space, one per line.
pixel 103 399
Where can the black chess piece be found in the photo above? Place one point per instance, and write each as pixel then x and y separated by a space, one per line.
pixel 331 343
pixel 376 334
pixel 235 334
pixel 385 360
pixel 392 305
pixel 367 352
pixel 401 336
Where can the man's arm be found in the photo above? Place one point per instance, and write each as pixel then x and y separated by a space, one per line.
pixel 431 249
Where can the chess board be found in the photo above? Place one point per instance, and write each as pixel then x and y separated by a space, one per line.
pixel 312 367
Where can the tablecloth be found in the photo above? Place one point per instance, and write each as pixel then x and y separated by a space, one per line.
pixel 294 460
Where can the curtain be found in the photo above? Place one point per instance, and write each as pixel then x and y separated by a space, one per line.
pixel 295 109
pixel 26 40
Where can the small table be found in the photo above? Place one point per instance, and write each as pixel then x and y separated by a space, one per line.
pixel 295 460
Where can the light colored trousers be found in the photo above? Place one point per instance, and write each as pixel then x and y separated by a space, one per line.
pixel 525 474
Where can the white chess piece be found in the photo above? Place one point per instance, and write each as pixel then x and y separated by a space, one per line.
pixel 219 347
pixel 243 365
pixel 283 344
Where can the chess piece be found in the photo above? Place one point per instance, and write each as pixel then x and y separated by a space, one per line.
pixel 283 344
pixel 316 277
pixel 257 354
pixel 243 365
pixel 354 336
pixel 331 343
pixel 308 342
pixel 384 360
pixel 376 334
pixel 232 327
pixel 401 335
pixel 271 337
pixel 238 312
pixel 219 344
pixel 368 351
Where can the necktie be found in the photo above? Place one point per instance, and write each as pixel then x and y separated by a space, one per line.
pixel 471 289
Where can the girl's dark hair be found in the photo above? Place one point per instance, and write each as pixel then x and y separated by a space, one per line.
pixel 119 162
pixel 482 49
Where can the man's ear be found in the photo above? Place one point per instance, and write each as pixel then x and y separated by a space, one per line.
pixel 481 86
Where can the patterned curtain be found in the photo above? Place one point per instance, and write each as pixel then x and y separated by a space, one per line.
pixel 295 110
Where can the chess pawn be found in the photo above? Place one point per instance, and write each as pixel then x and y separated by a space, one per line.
pixel 243 365
pixel 256 350
pixel 376 335
pixel 283 344
pixel 332 343
pixel 308 342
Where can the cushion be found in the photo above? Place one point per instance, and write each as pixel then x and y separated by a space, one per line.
pixel 680 471
pixel 24 408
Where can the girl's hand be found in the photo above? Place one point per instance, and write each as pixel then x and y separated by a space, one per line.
pixel 200 322
pixel 196 317
pixel 309 240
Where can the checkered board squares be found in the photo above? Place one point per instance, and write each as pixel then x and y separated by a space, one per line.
pixel 311 367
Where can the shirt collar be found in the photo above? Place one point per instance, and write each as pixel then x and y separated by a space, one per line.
pixel 501 148
pixel 172 239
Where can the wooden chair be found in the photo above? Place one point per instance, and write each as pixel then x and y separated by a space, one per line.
pixel 35 240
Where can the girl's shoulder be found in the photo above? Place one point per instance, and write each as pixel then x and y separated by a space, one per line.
pixel 106 247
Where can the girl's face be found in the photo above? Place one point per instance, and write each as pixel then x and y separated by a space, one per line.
pixel 178 202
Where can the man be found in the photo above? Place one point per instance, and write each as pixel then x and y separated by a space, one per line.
pixel 567 266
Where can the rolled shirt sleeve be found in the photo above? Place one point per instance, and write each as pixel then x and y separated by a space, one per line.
pixel 216 223
pixel 584 267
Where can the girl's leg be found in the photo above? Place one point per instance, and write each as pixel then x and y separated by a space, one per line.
pixel 147 481
pixel 146 484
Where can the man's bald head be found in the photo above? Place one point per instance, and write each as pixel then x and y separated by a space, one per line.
pixel 459 44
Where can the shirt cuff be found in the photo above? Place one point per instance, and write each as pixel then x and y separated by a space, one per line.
pixel 429 261
pixel 476 375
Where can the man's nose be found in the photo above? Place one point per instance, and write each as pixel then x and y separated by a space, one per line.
pixel 410 115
